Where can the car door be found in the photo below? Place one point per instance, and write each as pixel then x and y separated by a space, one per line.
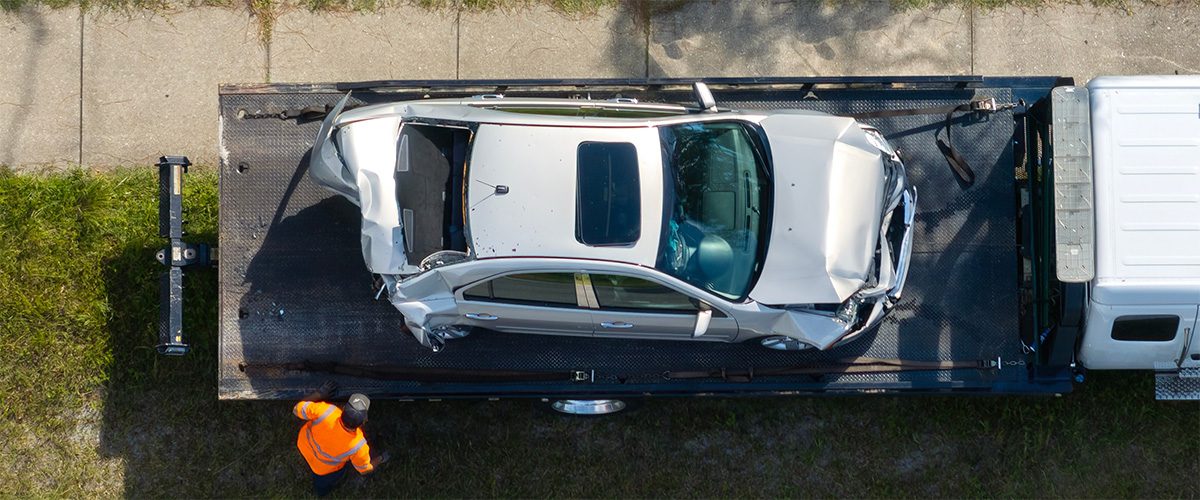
pixel 526 302
pixel 634 307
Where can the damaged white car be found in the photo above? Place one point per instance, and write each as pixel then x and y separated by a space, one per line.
pixel 623 219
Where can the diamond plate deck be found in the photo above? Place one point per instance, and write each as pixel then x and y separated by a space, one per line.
pixel 293 286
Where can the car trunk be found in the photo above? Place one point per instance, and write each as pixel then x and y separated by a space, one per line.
pixel 430 164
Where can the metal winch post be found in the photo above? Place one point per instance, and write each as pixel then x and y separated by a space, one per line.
pixel 177 255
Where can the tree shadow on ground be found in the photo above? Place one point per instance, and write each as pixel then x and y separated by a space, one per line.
pixel 706 38
pixel 161 415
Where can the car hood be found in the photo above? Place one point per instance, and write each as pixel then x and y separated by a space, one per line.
pixel 828 204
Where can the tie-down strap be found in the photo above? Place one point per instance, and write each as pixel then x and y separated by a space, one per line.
pixel 841 366
pixel 957 163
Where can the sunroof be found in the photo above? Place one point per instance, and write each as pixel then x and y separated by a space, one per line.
pixel 608 205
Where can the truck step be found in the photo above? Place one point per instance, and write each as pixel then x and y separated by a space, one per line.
pixel 1182 385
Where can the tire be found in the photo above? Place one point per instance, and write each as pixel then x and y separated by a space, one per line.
pixel 558 408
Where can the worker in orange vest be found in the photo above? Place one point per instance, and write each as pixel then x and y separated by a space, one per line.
pixel 332 436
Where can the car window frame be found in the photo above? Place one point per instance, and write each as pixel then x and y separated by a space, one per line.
pixel 591 292
pixel 460 292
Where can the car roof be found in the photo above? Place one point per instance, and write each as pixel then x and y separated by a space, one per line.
pixel 534 214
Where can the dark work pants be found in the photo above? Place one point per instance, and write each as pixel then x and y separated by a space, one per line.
pixel 323 484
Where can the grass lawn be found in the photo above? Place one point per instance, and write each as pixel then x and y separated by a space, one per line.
pixel 89 409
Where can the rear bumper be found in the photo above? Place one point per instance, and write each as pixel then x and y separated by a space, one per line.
pixel 358 162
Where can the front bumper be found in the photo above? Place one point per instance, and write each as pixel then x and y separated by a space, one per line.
pixel 870 305
pixel 809 327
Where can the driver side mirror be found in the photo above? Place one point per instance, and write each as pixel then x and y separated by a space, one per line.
pixel 703 318
pixel 704 97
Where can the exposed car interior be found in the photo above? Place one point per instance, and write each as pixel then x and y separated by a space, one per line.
pixel 430 167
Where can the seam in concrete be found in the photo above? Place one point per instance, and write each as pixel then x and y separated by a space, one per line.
pixel 971 30
pixel 457 41
pixel 267 60
pixel 646 60
pixel 81 20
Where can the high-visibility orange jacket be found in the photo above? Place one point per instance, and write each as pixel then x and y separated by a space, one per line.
pixel 327 444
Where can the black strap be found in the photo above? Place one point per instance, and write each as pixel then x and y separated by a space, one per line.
pixel 957 163
pixel 847 365
pixel 416 374
pixel 890 113
pixel 308 114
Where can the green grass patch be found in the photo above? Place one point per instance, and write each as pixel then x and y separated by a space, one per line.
pixel 344 5
pixel 76 263
pixel 90 410
pixel 265 12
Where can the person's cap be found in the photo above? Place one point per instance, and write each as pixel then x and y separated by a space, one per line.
pixel 359 402
pixel 354 413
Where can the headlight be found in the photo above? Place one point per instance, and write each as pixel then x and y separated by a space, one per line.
pixel 848 312
pixel 875 137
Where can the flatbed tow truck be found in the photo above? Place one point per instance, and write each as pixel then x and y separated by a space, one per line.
pixel 1063 254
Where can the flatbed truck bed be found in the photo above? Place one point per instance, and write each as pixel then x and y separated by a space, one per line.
pixel 297 304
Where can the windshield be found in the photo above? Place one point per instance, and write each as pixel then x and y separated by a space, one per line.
pixel 716 206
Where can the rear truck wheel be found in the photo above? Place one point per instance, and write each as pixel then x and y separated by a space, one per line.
pixel 585 407
pixel 781 343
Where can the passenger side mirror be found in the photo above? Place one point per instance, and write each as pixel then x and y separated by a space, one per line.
pixel 704 97
pixel 703 318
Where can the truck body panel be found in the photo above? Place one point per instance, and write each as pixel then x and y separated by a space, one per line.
pixel 1146 157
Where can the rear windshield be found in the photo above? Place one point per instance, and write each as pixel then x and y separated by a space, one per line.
pixel 608 205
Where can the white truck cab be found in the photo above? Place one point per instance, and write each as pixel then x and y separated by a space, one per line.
pixel 1141 259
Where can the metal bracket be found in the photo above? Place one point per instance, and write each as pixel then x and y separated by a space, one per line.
pixel 582 376
pixel 986 105
pixel 177 255
pixel 183 254
pixel 990 105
